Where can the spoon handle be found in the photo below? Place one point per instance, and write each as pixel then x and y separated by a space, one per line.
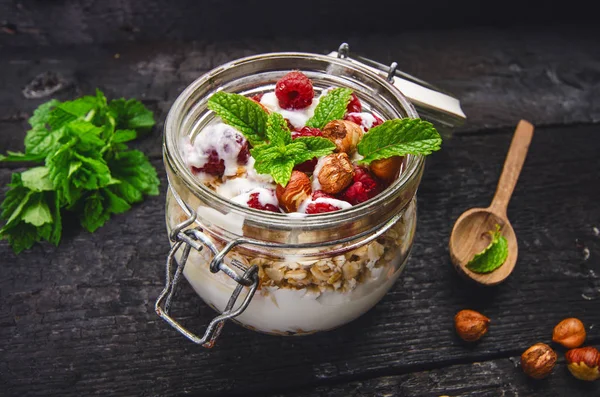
pixel 512 167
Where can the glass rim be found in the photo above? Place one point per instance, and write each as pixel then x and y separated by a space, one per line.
pixel 267 218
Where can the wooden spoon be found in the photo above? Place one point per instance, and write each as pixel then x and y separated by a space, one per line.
pixel 470 232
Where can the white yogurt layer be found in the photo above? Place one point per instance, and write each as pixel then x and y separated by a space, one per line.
pixel 221 138
pixel 297 117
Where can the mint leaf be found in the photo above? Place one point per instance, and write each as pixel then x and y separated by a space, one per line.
pixel 41 141
pixel 37 179
pixel 316 146
pixel 493 256
pixel 41 115
pixel 28 216
pixel 15 201
pixel 121 136
pixel 56 232
pixel 331 107
pixel 278 132
pixel 273 160
pixel 19 157
pixel 21 237
pixel 78 164
pixel 136 176
pixel 281 170
pixel 71 110
pixel 265 156
pixel 98 208
pixel 131 115
pixel 399 137
pixel 242 113
pixel 37 212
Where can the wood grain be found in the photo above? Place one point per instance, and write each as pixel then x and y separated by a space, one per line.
pixel 79 320
pixel 39 22
pixel 478 379
pixel 550 76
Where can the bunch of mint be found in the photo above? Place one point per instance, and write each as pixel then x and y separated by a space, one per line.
pixel 83 166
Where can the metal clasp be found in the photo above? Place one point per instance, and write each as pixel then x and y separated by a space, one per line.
pixel 431 103
pixel 194 238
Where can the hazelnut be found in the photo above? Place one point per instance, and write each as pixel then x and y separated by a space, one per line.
pixel 471 325
pixel 538 361
pixel 583 363
pixel 570 333
pixel 387 169
pixel 336 173
pixel 345 134
pixel 295 192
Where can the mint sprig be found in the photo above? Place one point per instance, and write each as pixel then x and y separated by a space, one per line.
pixel 241 113
pixel 399 137
pixel 279 156
pixel 493 256
pixel 331 107
pixel 82 165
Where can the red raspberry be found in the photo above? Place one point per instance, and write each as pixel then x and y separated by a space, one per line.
pixel 319 193
pixel 354 118
pixel 294 91
pixel 377 120
pixel 257 97
pixel 307 166
pixel 306 131
pixel 255 203
pixel 364 188
pixel 354 105
pixel 214 165
pixel 244 153
pixel 319 208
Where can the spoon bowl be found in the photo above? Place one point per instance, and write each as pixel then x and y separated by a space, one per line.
pixel 470 234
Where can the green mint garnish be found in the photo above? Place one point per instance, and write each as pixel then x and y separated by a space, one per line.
pixel 242 113
pixel 281 154
pixel 83 166
pixel 399 137
pixel 331 107
pixel 493 256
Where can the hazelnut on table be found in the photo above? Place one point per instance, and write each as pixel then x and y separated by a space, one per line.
pixel 583 363
pixel 471 325
pixel 570 333
pixel 538 361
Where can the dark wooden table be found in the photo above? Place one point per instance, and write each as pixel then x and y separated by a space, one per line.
pixel 78 320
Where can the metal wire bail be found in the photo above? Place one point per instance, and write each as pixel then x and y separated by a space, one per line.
pixel 194 238
pixel 343 50
pixel 392 72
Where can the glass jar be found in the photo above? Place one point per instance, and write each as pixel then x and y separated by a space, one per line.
pixel 293 274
